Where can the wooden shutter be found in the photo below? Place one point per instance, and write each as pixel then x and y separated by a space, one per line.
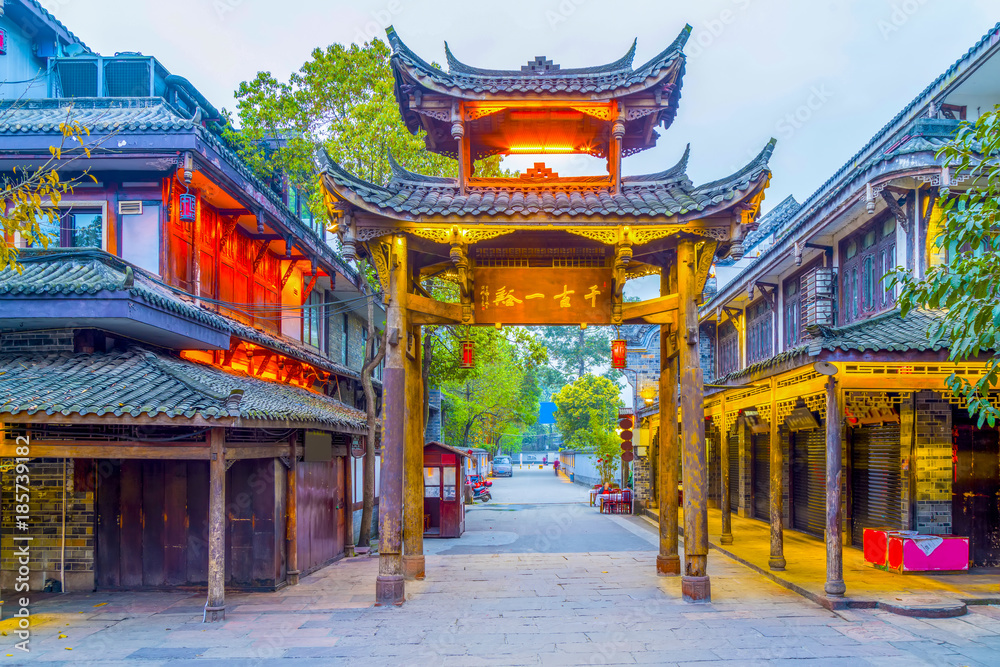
pixel 875 480
pixel 761 476
pixel 809 481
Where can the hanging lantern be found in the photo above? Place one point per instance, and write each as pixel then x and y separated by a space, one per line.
pixel 187 207
pixel 468 354
pixel 618 350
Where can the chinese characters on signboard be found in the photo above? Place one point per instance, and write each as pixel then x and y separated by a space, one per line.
pixel 543 295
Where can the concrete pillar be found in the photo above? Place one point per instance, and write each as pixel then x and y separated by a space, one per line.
pixel 695 585
pixel 834 477
pixel 727 515
pixel 389 585
pixel 413 476
pixel 777 560
pixel 292 513
pixel 216 602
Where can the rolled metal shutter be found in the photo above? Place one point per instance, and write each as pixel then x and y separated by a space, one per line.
pixel 734 469
pixel 809 481
pixel 762 476
pixel 876 484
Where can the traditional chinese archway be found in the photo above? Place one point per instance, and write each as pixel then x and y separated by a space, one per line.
pixel 542 249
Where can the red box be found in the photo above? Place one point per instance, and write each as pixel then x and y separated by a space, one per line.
pixel 875 546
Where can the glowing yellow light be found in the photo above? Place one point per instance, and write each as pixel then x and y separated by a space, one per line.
pixel 534 150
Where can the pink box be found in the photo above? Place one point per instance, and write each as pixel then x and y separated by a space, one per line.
pixel 903 555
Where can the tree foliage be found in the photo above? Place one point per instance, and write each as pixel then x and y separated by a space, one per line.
pixel 966 285
pixel 487 405
pixel 341 100
pixel 586 412
pixel 573 353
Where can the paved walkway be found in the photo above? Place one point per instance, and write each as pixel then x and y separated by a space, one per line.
pixel 595 607
pixel 805 568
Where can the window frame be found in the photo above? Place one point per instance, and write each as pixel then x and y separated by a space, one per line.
pixel 861 280
pixel 760 330
pixel 729 348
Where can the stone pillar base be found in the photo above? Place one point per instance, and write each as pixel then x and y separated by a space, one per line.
pixel 668 565
pixel 776 564
pixel 726 539
pixel 696 589
pixel 413 567
pixel 389 589
pixel 293 577
pixel 835 588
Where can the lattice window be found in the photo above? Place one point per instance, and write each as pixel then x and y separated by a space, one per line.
pixel 729 349
pixel 760 331
pixel 865 257
pixel 797 379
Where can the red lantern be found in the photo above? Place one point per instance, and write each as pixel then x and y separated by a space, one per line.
pixel 468 354
pixel 187 207
pixel 618 352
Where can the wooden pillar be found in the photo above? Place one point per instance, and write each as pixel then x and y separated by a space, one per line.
pixel 216 602
pixel 695 585
pixel 727 513
pixel 389 585
pixel 413 476
pixel 349 500
pixel 777 560
pixel 291 512
pixel 668 561
pixel 834 477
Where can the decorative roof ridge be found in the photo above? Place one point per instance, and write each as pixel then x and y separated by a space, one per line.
pixel 621 66
pixel 401 174
pixel 675 49
pixel 399 48
pixel 773 221
pixel 673 173
pixel 758 163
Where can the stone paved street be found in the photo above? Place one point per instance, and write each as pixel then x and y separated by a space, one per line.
pixel 604 606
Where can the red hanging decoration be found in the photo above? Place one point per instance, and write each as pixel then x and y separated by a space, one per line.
pixel 468 354
pixel 618 353
pixel 187 207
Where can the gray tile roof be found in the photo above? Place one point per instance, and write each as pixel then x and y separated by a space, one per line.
pixel 71 271
pixel 667 194
pixel 141 382
pixel 603 81
pixel 104 116
pixel 889 332
pixel 772 223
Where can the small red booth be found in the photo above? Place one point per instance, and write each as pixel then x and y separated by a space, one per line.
pixel 444 485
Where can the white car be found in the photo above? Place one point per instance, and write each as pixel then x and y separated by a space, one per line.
pixel 502 467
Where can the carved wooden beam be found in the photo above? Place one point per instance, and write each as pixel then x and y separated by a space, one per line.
pixel 897 210
pixel 734 314
pixel 423 310
pixel 234 345
pixel 288 273
pixel 768 295
pixel 263 366
pixel 261 251
pixel 661 310
pixel 706 256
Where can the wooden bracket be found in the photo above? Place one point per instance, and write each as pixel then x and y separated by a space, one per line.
pixel 267 359
pixel 234 345
pixel 261 251
pixel 703 266
pixel 896 209
pixel 286 461
pixel 227 232
pixel 768 296
pixel 309 288
pixel 423 310
pixel 288 273
pixel 229 463
pixel 734 314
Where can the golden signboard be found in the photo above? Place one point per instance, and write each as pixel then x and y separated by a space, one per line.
pixel 543 295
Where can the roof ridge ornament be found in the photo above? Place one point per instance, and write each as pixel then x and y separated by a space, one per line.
pixel 540 65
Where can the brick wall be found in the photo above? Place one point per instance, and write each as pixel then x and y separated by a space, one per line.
pixel 432 430
pixel 45 526
pixel 54 340
pixel 932 463
pixel 642 481
pixel 355 339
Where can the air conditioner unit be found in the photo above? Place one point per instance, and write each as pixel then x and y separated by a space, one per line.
pixel 818 297
pixel 130 208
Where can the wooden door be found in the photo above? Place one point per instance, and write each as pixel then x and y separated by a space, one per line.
pixel 976 492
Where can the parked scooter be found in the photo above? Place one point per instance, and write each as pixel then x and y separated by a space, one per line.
pixel 481 492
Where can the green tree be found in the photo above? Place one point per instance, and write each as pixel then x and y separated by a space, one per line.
pixel 966 285
pixel 586 412
pixel 573 353
pixel 341 100
pixel 491 402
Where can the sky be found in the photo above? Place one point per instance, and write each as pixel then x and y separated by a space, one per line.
pixel 820 76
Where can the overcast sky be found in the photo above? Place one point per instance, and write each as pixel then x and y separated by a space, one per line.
pixel 821 76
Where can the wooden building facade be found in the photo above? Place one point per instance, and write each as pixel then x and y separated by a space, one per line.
pixel 183 359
